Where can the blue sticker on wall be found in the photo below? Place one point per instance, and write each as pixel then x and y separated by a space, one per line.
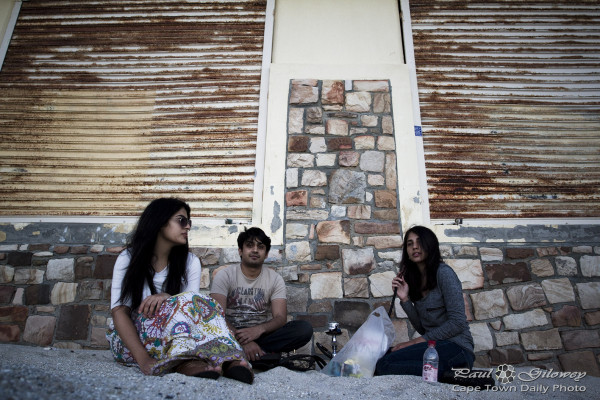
pixel 418 131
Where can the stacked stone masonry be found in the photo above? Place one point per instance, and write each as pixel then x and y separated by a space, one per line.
pixel 529 301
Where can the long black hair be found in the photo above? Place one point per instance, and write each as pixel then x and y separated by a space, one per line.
pixel 141 250
pixel 412 275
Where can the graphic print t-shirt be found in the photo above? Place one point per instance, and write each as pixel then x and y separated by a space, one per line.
pixel 248 300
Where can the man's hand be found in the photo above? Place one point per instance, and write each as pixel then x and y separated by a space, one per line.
pixel 253 351
pixel 247 335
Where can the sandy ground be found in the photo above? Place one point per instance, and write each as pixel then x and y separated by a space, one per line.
pixel 48 373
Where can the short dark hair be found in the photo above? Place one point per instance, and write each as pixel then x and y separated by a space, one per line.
pixel 254 233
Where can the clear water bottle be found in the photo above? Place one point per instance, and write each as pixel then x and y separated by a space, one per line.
pixel 430 363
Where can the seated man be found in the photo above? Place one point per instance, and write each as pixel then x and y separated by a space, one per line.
pixel 247 291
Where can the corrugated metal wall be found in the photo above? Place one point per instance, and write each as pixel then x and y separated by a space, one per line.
pixel 105 105
pixel 510 106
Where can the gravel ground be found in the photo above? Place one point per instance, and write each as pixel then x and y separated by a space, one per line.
pixel 48 373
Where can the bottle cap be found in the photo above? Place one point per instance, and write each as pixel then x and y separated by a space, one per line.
pixel 431 343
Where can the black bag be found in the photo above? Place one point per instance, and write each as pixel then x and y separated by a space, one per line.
pixel 295 362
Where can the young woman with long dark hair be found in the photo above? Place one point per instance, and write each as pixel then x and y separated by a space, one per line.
pixel 160 321
pixel 431 295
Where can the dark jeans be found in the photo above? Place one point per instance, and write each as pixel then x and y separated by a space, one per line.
pixel 409 361
pixel 289 337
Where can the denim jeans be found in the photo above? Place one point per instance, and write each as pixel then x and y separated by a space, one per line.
pixel 409 361
pixel 289 337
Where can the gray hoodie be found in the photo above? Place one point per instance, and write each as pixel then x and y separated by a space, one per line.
pixel 440 315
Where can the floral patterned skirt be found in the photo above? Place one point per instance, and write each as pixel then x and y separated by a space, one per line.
pixel 188 326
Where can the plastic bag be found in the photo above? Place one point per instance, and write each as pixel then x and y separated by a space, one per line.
pixel 370 342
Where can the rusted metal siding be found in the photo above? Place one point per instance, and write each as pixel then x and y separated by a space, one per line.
pixel 509 93
pixel 105 105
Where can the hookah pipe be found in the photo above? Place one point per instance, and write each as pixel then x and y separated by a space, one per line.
pixel 400 275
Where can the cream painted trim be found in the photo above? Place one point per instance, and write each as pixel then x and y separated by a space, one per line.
pixel 7 35
pixel 408 183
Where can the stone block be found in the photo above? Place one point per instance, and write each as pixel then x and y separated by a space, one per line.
pixel 526 296
pixel 91 290
pixel 300 160
pixel 73 322
pixel 375 180
pixel 298 251
pixel 372 161
pixel 313 178
pixel 83 267
pixel 351 314
pixel 13 314
pixel 296 231
pixel 297 299
pixel 519 253
pixel 360 211
pixel 62 269
pixel 6 294
pixel 334 231
pixel 28 276
pixel 592 318
pixel 386 214
pixel 385 198
pixel 387 125
pixel 208 255
pixel 298 144
pixel 507 338
pixel 381 284
pixel 539 356
pixel 506 356
pixel 7 273
pixel 323 306
pixel 358 101
pixel 327 252
pixel 364 142
pixel 292 215
pixel 325 160
pixel 525 320
pixel 469 272
pixel 385 242
pixel 580 339
pixel 63 292
pixel 507 273
pixel 97 248
pixel 98 338
pixel 314 115
pixel 18 297
pixel 337 127
pixel 317 145
pixel 566 316
pixel 19 258
pixel 37 294
pixel 589 294
pixel 581 361
pixel 115 249
pixel 349 158
pixel 39 247
pixel 590 265
pixel 79 249
pixel 316 321
pixel 358 261
pixel 39 330
pixel 558 290
pixel 371 228
pixel 356 287
pixel 9 333
pixel 61 249
pixel 302 94
pixel 347 187
pixel 204 282
pixel 295 120
pixel 296 198
pixel 332 92
pixel 491 254
pixel 339 143
pixel 566 266
pixel 489 304
pixel 547 251
pixel 326 285
pixel 482 337
pixel 291 177
pixel 371 85
pixel 541 340
pixel 542 267
pixel 319 202
pixel 104 266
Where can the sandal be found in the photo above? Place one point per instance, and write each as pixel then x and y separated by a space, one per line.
pixel 239 372
pixel 197 368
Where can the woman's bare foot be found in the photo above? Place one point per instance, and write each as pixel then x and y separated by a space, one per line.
pixel 238 370
pixel 198 368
